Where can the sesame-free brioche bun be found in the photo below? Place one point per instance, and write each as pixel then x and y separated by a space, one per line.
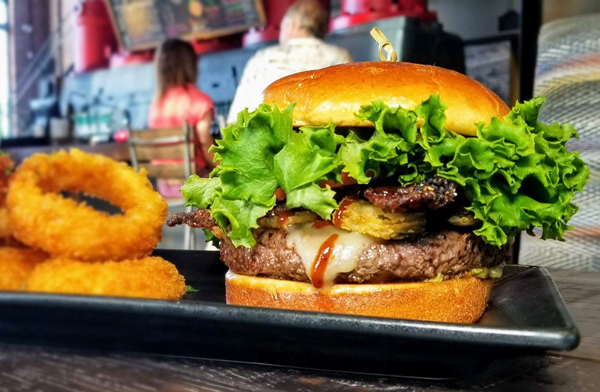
pixel 460 300
pixel 334 94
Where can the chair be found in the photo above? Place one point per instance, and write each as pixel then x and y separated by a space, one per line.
pixel 165 153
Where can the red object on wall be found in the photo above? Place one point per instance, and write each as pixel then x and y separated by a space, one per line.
pixel 274 11
pixel 217 44
pixel 95 39
pixel 355 12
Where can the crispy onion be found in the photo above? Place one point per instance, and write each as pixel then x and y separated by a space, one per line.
pixel 150 277
pixel 16 264
pixel 42 218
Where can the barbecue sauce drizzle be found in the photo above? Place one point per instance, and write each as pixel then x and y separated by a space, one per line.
pixel 320 224
pixel 339 213
pixel 321 260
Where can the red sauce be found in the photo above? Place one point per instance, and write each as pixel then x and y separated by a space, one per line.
pixel 339 213
pixel 320 224
pixel 283 216
pixel 346 180
pixel 321 260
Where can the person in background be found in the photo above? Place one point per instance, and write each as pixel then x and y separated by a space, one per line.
pixel 301 48
pixel 178 100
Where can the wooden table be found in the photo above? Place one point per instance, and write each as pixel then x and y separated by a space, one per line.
pixel 48 369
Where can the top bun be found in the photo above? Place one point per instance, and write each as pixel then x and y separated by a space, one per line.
pixel 334 94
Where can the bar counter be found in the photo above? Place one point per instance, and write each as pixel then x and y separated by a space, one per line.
pixel 54 369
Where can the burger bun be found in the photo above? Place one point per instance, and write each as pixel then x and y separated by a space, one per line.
pixel 460 300
pixel 333 95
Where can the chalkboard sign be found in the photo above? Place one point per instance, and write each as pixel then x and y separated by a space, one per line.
pixel 143 24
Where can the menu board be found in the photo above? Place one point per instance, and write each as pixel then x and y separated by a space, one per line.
pixel 144 24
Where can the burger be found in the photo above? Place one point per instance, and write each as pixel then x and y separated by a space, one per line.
pixel 382 189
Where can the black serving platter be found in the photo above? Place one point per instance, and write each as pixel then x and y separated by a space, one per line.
pixel 526 315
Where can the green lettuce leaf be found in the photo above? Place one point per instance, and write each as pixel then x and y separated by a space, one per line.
pixel 238 218
pixel 190 289
pixel 246 170
pixel 210 237
pixel 246 154
pixel 242 188
pixel 200 192
pixel 395 135
pixel 309 157
pixel 516 173
pixel 533 180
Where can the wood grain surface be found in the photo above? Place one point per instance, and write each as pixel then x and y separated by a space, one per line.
pixel 52 369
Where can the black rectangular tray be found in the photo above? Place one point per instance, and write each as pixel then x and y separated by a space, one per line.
pixel 526 315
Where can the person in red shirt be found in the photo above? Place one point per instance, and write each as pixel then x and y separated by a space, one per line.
pixel 179 100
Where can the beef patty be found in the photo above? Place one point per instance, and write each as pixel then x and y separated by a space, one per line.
pixel 423 257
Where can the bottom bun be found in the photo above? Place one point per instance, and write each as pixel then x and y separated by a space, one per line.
pixel 455 301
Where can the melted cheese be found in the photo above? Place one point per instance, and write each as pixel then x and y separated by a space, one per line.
pixel 346 253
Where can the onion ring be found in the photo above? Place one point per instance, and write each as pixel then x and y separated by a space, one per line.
pixel 151 277
pixel 16 264
pixel 42 218
pixel 6 236
pixel 6 170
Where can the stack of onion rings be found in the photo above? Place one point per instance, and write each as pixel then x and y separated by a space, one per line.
pixel 42 218
pixel 92 252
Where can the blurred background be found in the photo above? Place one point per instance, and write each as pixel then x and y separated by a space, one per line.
pixel 74 67
pixel 81 73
